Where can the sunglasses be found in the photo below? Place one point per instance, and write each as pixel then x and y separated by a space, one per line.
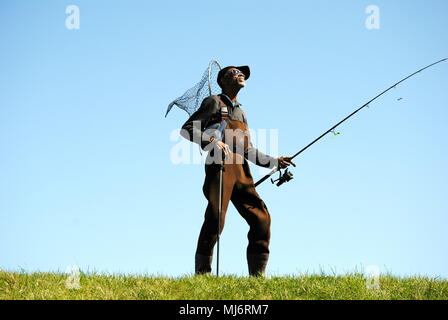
pixel 234 72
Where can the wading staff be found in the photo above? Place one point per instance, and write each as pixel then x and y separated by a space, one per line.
pixel 220 130
pixel 288 176
pixel 221 169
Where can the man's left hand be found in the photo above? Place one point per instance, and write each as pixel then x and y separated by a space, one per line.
pixel 283 162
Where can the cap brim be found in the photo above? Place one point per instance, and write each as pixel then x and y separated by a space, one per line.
pixel 245 70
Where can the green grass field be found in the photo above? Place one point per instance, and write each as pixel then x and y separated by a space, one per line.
pixel 91 286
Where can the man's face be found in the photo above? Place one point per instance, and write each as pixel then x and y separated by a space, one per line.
pixel 234 77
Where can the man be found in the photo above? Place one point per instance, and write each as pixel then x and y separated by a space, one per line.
pixel 237 183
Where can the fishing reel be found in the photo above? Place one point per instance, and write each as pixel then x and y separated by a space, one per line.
pixel 283 177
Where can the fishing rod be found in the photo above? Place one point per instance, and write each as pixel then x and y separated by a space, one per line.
pixel 287 175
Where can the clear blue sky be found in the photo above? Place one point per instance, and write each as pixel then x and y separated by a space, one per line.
pixel 85 171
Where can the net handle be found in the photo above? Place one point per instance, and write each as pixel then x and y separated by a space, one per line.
pixel 209 74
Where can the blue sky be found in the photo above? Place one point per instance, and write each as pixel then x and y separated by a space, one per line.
pixel 85 171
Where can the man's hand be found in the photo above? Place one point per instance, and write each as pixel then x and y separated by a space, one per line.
pixel 283 162
pixel 223 147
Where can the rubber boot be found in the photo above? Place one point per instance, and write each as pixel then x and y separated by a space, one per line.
pixel 257 264
pixel 203 264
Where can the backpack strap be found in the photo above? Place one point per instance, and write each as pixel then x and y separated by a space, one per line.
pixel 224 110
pixel 224 120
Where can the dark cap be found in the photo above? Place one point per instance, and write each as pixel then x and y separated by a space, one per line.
pixel 244 69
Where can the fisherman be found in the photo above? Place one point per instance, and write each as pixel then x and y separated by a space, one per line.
pixel 230 149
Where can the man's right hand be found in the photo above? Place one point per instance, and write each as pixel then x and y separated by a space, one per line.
pixel 223 147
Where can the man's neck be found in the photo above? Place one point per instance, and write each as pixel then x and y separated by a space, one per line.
pixel 232 93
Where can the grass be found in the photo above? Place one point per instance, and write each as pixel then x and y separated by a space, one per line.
pixel 20 285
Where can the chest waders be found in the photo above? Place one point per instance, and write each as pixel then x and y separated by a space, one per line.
pixel 231 180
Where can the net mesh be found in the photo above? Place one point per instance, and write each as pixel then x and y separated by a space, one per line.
pixel 191 100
